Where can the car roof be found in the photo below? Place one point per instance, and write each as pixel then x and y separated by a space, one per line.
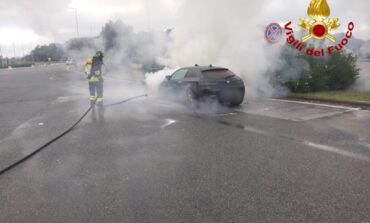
pixel 205 68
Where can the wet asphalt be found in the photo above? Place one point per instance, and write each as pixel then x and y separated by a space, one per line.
pixel 156 161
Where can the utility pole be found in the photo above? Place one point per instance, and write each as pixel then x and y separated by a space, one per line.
pixel 78 34
pixel 147 15
pixel 22 52
pixel 14 50
pixel 33 59
pixel 76 18
pixel 15 61
pixel 1 57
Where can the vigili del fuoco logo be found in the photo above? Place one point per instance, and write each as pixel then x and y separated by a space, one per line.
pixel 319 27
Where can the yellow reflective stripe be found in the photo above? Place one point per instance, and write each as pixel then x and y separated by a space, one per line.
pixel 93 98
pixel 94 79
pixel 99 100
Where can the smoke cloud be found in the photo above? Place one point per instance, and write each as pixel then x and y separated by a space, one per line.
pixel 212 32
pixel 55 18
pixel 204 32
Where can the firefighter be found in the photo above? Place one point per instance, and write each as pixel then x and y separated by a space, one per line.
pixel 93 70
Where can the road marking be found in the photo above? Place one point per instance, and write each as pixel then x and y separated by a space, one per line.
pixel 63 99
pixel 336 150
pixel 168 123
pixel 310 144
pixel 324 115
pixel 316 104
pixel 302 111
pixel 256 130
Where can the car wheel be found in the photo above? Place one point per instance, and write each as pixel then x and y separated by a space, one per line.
pixel 238 99
pixel 190 98
pixel 162 93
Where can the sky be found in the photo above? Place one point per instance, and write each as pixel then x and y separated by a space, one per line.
pixel 27 23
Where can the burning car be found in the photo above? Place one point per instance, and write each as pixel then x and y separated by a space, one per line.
pixel 191 84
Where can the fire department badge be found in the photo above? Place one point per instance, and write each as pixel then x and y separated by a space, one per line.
pixel 320 27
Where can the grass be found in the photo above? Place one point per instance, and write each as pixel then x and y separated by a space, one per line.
pixel 341 95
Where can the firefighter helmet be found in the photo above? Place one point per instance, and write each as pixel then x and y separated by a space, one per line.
pixel 99 54
pixel 89 61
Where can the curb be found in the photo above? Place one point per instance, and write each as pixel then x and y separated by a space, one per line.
pixel 362 104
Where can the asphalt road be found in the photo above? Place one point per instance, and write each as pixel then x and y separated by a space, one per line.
pixel 156 161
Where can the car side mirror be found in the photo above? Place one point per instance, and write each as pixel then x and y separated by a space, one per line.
pixel 168 77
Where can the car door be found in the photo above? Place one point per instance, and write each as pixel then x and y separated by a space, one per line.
pixel 178 79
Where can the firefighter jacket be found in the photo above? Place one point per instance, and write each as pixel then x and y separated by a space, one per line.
pixel 96 70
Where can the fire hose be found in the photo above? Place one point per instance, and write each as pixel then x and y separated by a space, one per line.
pixel 25 158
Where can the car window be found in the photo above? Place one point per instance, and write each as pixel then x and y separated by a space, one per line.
pixel 191 74
pixel 179 75
pixel 218 73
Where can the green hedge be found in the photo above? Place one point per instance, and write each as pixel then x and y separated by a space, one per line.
pixel 25 64
pixel 304 74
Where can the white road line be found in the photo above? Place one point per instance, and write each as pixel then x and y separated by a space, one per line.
pixel 256 130
pixel 336 150
pixel 168 123
pixel 316 104
pixel 313 145
pixel 63 99
pixel 324 115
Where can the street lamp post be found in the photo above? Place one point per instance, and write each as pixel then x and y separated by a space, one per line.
pixel 14 54
pixel 14 60
pixel 1 57
pixel 23 52
pixel 147 15
pixel 76 18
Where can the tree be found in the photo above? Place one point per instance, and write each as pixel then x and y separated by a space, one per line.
pixel 42 53
pixel 342 71
pixel 336 72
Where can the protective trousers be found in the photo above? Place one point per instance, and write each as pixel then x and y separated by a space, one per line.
pixel 96 92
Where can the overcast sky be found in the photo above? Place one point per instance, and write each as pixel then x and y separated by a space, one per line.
pixel 32 22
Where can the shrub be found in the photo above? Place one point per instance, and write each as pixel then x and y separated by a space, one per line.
pixel 336 72
pixel 342 71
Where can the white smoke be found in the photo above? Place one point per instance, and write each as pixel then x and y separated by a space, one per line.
pixel 153 80
pixel 207 32
pixel 212 32
pixel 363 81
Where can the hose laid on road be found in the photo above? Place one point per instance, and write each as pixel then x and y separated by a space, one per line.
pixel 124 101
pixel 3 171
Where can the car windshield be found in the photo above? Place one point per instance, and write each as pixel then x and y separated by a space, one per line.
pixel 180 74
pixel 221 73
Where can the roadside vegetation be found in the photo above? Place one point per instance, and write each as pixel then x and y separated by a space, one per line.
pixel 339 96
pixel 306 74
pixel 5 63
pixel 329 78
pixel 43 53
